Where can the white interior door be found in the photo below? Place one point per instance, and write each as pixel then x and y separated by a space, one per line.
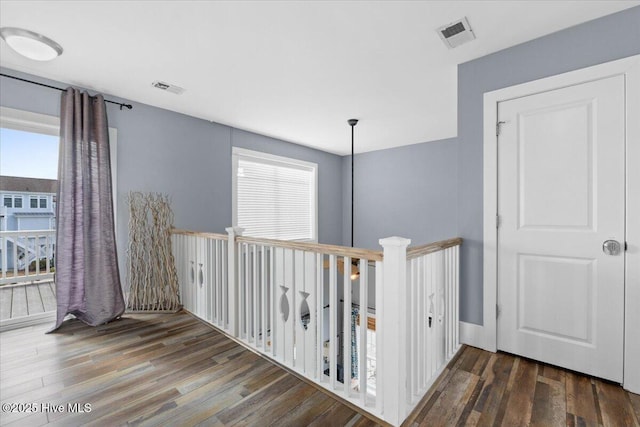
pixel 561 195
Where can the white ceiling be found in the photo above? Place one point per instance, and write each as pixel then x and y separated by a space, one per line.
pixel 292 70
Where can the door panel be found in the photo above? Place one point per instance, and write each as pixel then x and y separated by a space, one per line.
pixel 567 132
pixel 561 194
pixel 570 281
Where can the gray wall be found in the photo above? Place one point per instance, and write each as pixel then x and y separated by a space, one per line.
pixel 400 191
pixel 612 37
pixel 407 191
pixel 431 191
pixel 185 157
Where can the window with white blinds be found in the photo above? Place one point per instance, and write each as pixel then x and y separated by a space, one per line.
pixel 274 197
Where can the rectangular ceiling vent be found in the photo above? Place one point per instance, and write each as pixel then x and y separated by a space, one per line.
pixel 456 33
pixel 169 88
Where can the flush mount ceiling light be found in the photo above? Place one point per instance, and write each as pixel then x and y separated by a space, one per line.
pixel 31 45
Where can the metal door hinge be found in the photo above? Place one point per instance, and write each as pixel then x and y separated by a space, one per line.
pixel 498 126
pixel 497 311
pixel 625 246
pixel 497 221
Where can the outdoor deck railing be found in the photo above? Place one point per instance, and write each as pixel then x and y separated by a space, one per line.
pixel 300 305
pixel 27 256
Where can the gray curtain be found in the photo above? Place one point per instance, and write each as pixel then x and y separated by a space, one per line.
pixel 87 276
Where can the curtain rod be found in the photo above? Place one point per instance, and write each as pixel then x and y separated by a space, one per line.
pixel 127 106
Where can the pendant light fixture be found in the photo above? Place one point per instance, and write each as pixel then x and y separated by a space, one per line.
pixel 354 268
pixel 352 123
pixel 31 45
pixel 354 262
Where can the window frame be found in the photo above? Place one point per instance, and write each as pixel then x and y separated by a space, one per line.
pixel 27 121
pixel 15 200
pixel 258 156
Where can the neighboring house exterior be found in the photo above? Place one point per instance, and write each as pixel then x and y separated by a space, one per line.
pixel 27 204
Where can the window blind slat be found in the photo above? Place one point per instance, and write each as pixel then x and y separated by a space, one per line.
pixel 275 200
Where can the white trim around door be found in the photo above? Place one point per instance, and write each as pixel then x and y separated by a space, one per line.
pixel 630 68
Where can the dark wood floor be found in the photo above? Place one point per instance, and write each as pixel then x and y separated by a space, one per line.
pixel 480 388
pixel 157 369
pixel 174 370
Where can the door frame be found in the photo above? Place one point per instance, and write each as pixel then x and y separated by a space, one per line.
pixel 630 68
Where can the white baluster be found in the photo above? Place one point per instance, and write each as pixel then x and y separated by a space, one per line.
pixel 288 327
pixel 214 273
pixel 309 334
pixel 319 320
pixel 263 299
pixel 415 369
pixel 224 286
pixel 454 284
pixel 279 334
pixel 379 335
pixel 3 247
pixel 427 320
pixel 296 312
pixel 364 318
pixel 275 289
pixel 346 326
pixel 451 303
pixel 333 314
pixel 255 307
pixel 232 279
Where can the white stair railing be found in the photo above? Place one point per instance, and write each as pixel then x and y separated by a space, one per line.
pixel 201 266
pixel 432 313
pixel 293 302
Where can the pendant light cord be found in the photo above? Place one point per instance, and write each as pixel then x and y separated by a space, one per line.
pixel 352 184
pixel 352 123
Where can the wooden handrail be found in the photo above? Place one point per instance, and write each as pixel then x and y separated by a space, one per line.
pixel 416 251
pixel 360 253
pixel 27 233
pixel 217 236
pixel 315 247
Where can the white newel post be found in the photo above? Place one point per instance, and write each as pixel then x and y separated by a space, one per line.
pixel 232 274
pixel 393 325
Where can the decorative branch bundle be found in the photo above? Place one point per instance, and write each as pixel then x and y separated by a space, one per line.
pixel 152 273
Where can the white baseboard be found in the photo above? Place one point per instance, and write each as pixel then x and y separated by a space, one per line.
pixel 473 335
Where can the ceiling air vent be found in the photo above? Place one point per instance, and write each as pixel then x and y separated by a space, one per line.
pixel 169 88
pixel 456 33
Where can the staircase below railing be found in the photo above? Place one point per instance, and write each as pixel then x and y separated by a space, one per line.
pixel 302 305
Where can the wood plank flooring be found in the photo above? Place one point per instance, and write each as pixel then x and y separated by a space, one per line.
pixel 25 300
pixel 153 369
pixel 480 388
pixel 163 369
